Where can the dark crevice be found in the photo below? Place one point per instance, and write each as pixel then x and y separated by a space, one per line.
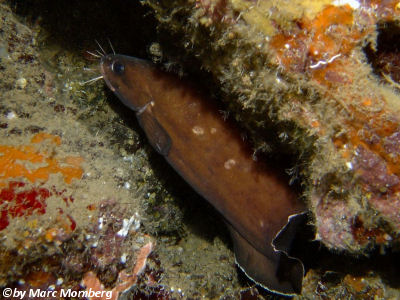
pixel 385 59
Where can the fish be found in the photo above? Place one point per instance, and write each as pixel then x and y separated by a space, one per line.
pixel 185 126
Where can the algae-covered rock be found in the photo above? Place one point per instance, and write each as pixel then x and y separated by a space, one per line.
pixel 314 80
pixel 296 75
pixel 69 204
pixel 84 202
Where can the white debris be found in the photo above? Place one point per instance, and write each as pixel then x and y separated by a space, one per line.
pixel 325 62
pixel 11 115
pixel 354 4
pixel 136 225
pixel 101 223
pixel 128 158
pixel 123 258
pixel 126 224
pixel 21 83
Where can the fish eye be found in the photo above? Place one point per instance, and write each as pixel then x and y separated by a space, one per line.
pixel 117 67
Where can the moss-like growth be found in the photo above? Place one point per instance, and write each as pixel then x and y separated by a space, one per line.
pixel 297 78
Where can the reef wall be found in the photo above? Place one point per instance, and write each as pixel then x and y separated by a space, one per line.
pixel 302 70
pixel 83 204
pixel 315 81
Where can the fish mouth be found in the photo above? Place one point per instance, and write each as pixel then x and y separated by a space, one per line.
pixel 104 66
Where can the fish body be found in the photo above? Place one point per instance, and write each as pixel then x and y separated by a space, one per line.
pixel 184 126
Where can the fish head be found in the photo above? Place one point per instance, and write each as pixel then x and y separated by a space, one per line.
pixel 129 78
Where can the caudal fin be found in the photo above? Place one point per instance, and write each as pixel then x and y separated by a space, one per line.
pixel 274 269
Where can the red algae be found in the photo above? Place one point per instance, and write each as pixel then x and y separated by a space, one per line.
pixel 22 203
pixel 73 223
pixel 17 199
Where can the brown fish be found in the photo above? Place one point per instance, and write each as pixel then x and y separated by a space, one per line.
pixel 261 211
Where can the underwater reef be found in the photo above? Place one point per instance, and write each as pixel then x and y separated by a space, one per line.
pixel 85 203
pixel 66 207
pixel 311 79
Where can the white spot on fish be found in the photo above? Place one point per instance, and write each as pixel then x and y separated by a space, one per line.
pixel 229 163
pixel 197 130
